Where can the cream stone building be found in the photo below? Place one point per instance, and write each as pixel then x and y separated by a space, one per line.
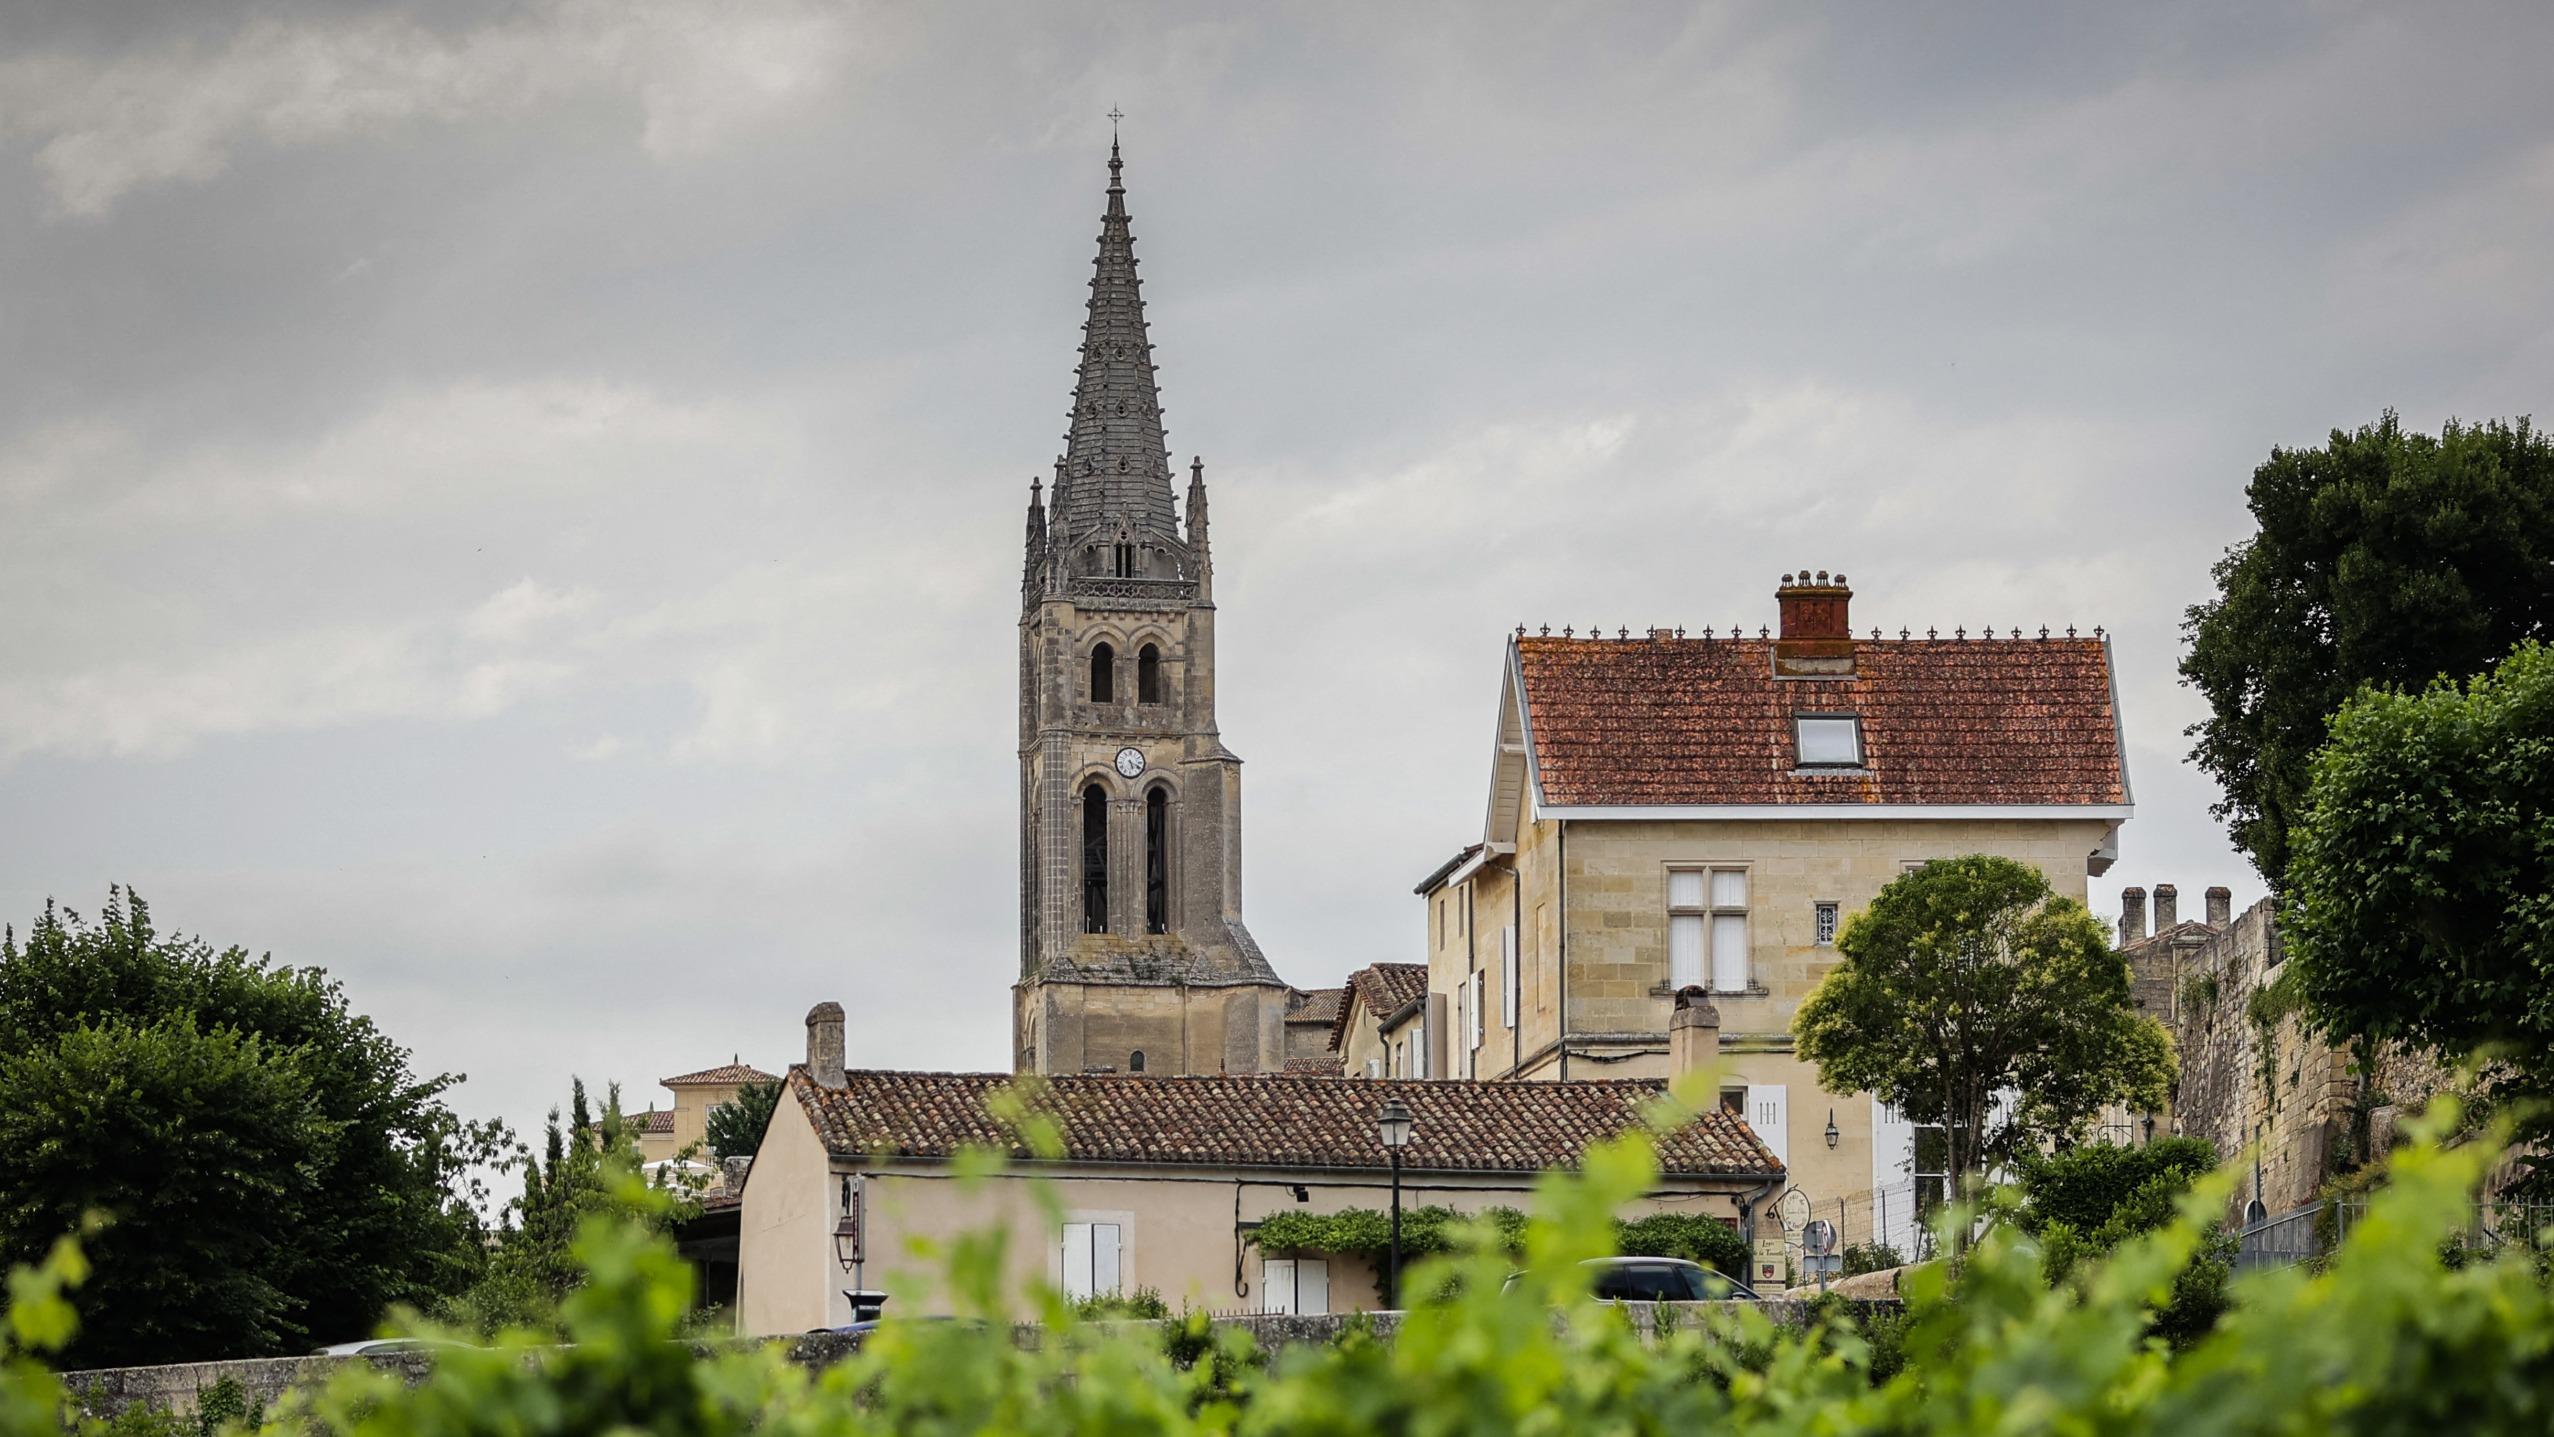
pixel 1382 1024
pixel 1671 809
pixel 1161 1182
pixel 664 1132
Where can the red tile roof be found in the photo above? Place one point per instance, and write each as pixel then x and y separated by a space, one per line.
pixel 655 1120
pixel 728 1073
pixel 1314 1005
pixel 1384 989
pixel 1312 1067
pixel 1665 721
pixel 1269 1121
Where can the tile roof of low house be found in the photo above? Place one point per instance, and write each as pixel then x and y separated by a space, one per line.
pixel 1678 722
pixel 1385 989
pixel 723 1074
pixel 1312 1067
pixel 655 1121
pixel 1314 1005
pixel 1270 1121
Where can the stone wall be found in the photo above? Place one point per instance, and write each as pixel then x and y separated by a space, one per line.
pixel 108 1392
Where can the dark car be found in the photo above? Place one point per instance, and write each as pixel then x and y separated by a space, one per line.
pixel 1660 1279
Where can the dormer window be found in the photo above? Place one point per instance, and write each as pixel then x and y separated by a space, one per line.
pixel 1827 740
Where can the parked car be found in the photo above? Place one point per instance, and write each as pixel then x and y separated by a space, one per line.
pixel 1660 1279
pixel 383 1347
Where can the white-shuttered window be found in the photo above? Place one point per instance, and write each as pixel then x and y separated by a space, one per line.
pixel 1707 928
pixel 1090 1259
pixel 1769 1113
pixel 1477 991
pixel 1298 1286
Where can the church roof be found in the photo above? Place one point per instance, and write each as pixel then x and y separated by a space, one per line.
pixel 1314 1005
pixel 1280 1121
pixel 1116 460
pixel 1665 722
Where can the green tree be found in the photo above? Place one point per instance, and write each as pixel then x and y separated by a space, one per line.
pixel 1967 978
pixel 2420 905
pixel 2382 558
pixel 736 1127
pixel 272 1171
pixel 2082 1202
pixel 587 1169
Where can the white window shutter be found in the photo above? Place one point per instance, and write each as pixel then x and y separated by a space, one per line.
pixel 1729 952
pixel 1685 888
pixel 1104 1259
pixel 1769 1113
pixel 1685 951
pixel 1312 1287
pixel 1077 1259
pixel 1507 975
pixel 1477 990
pixel 1277 1284
pixel 1892 1177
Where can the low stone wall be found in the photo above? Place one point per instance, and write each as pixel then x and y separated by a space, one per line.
pixel 106 1392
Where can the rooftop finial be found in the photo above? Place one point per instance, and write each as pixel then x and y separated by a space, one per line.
pixel 1115 163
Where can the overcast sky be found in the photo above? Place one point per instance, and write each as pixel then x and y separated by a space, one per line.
pixel 520 504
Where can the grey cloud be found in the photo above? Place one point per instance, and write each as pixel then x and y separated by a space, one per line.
pixel 520 504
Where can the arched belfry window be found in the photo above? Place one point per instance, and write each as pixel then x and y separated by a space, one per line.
pixel 1095 859
pixel 1103 675
pixel 1126 561
pixel 1148 675
pixel 1135 1061
pixel 1157 861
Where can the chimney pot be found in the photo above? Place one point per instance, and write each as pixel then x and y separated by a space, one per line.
pixel 824 1045
pixel 1816 640
pixel 2221 907
pixel 2167 906
pixel 2132 915
pixel 1693 1033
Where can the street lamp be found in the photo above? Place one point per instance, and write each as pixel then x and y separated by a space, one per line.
pixel 1392 1125
pixel 1832 1134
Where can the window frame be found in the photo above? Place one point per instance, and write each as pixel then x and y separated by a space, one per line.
pixel 1102 682
pixel 1708 912
pixel 1800 749
pixel 1826 919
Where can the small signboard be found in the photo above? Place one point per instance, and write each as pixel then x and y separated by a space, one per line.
pixel 1818 1239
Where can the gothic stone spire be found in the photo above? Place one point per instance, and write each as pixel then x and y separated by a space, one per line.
pixel 1117 465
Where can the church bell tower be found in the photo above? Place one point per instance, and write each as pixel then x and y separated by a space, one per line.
pixel 1133 957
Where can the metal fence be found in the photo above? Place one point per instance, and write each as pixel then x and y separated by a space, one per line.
pixel 2307 1233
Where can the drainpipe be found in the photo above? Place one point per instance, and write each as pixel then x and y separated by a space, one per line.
pixel 1561 941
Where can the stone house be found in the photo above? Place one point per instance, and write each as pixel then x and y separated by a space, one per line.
pixel 1671 809
pixel 663 1132
pixel 1161 1180
pixel 1381 1027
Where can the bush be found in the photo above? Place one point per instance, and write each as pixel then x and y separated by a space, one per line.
pixel 1861 1257
pixel 1429 1231
pixel 2385 1339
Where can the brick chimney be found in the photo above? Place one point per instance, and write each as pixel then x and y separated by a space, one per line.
pixel 2132 915
pixel 1693 1034
pixel 2221 907
pixel 1817 636
pixel 2168 903
pixel 824 1045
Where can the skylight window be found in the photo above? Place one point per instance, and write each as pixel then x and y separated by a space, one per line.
pixel 1828 740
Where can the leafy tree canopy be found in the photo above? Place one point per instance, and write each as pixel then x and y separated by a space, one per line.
pixel 586 1172
pixel 273 1173
pixel 2382 558
pixel 1968 978
pixel 2420 905
pixel 736 1128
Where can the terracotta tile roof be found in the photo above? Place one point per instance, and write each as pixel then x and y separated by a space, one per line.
pixel 1312 1067
pixel 1269 1121
pixel 1385 989
pixel 726 1073
pixel 1666 721
pixel 1314 1005
pixel 654 1120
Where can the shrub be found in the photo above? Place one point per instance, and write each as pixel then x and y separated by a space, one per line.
pixel 1861 1257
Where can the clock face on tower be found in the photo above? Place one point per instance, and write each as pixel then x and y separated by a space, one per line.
pixel 1130 762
